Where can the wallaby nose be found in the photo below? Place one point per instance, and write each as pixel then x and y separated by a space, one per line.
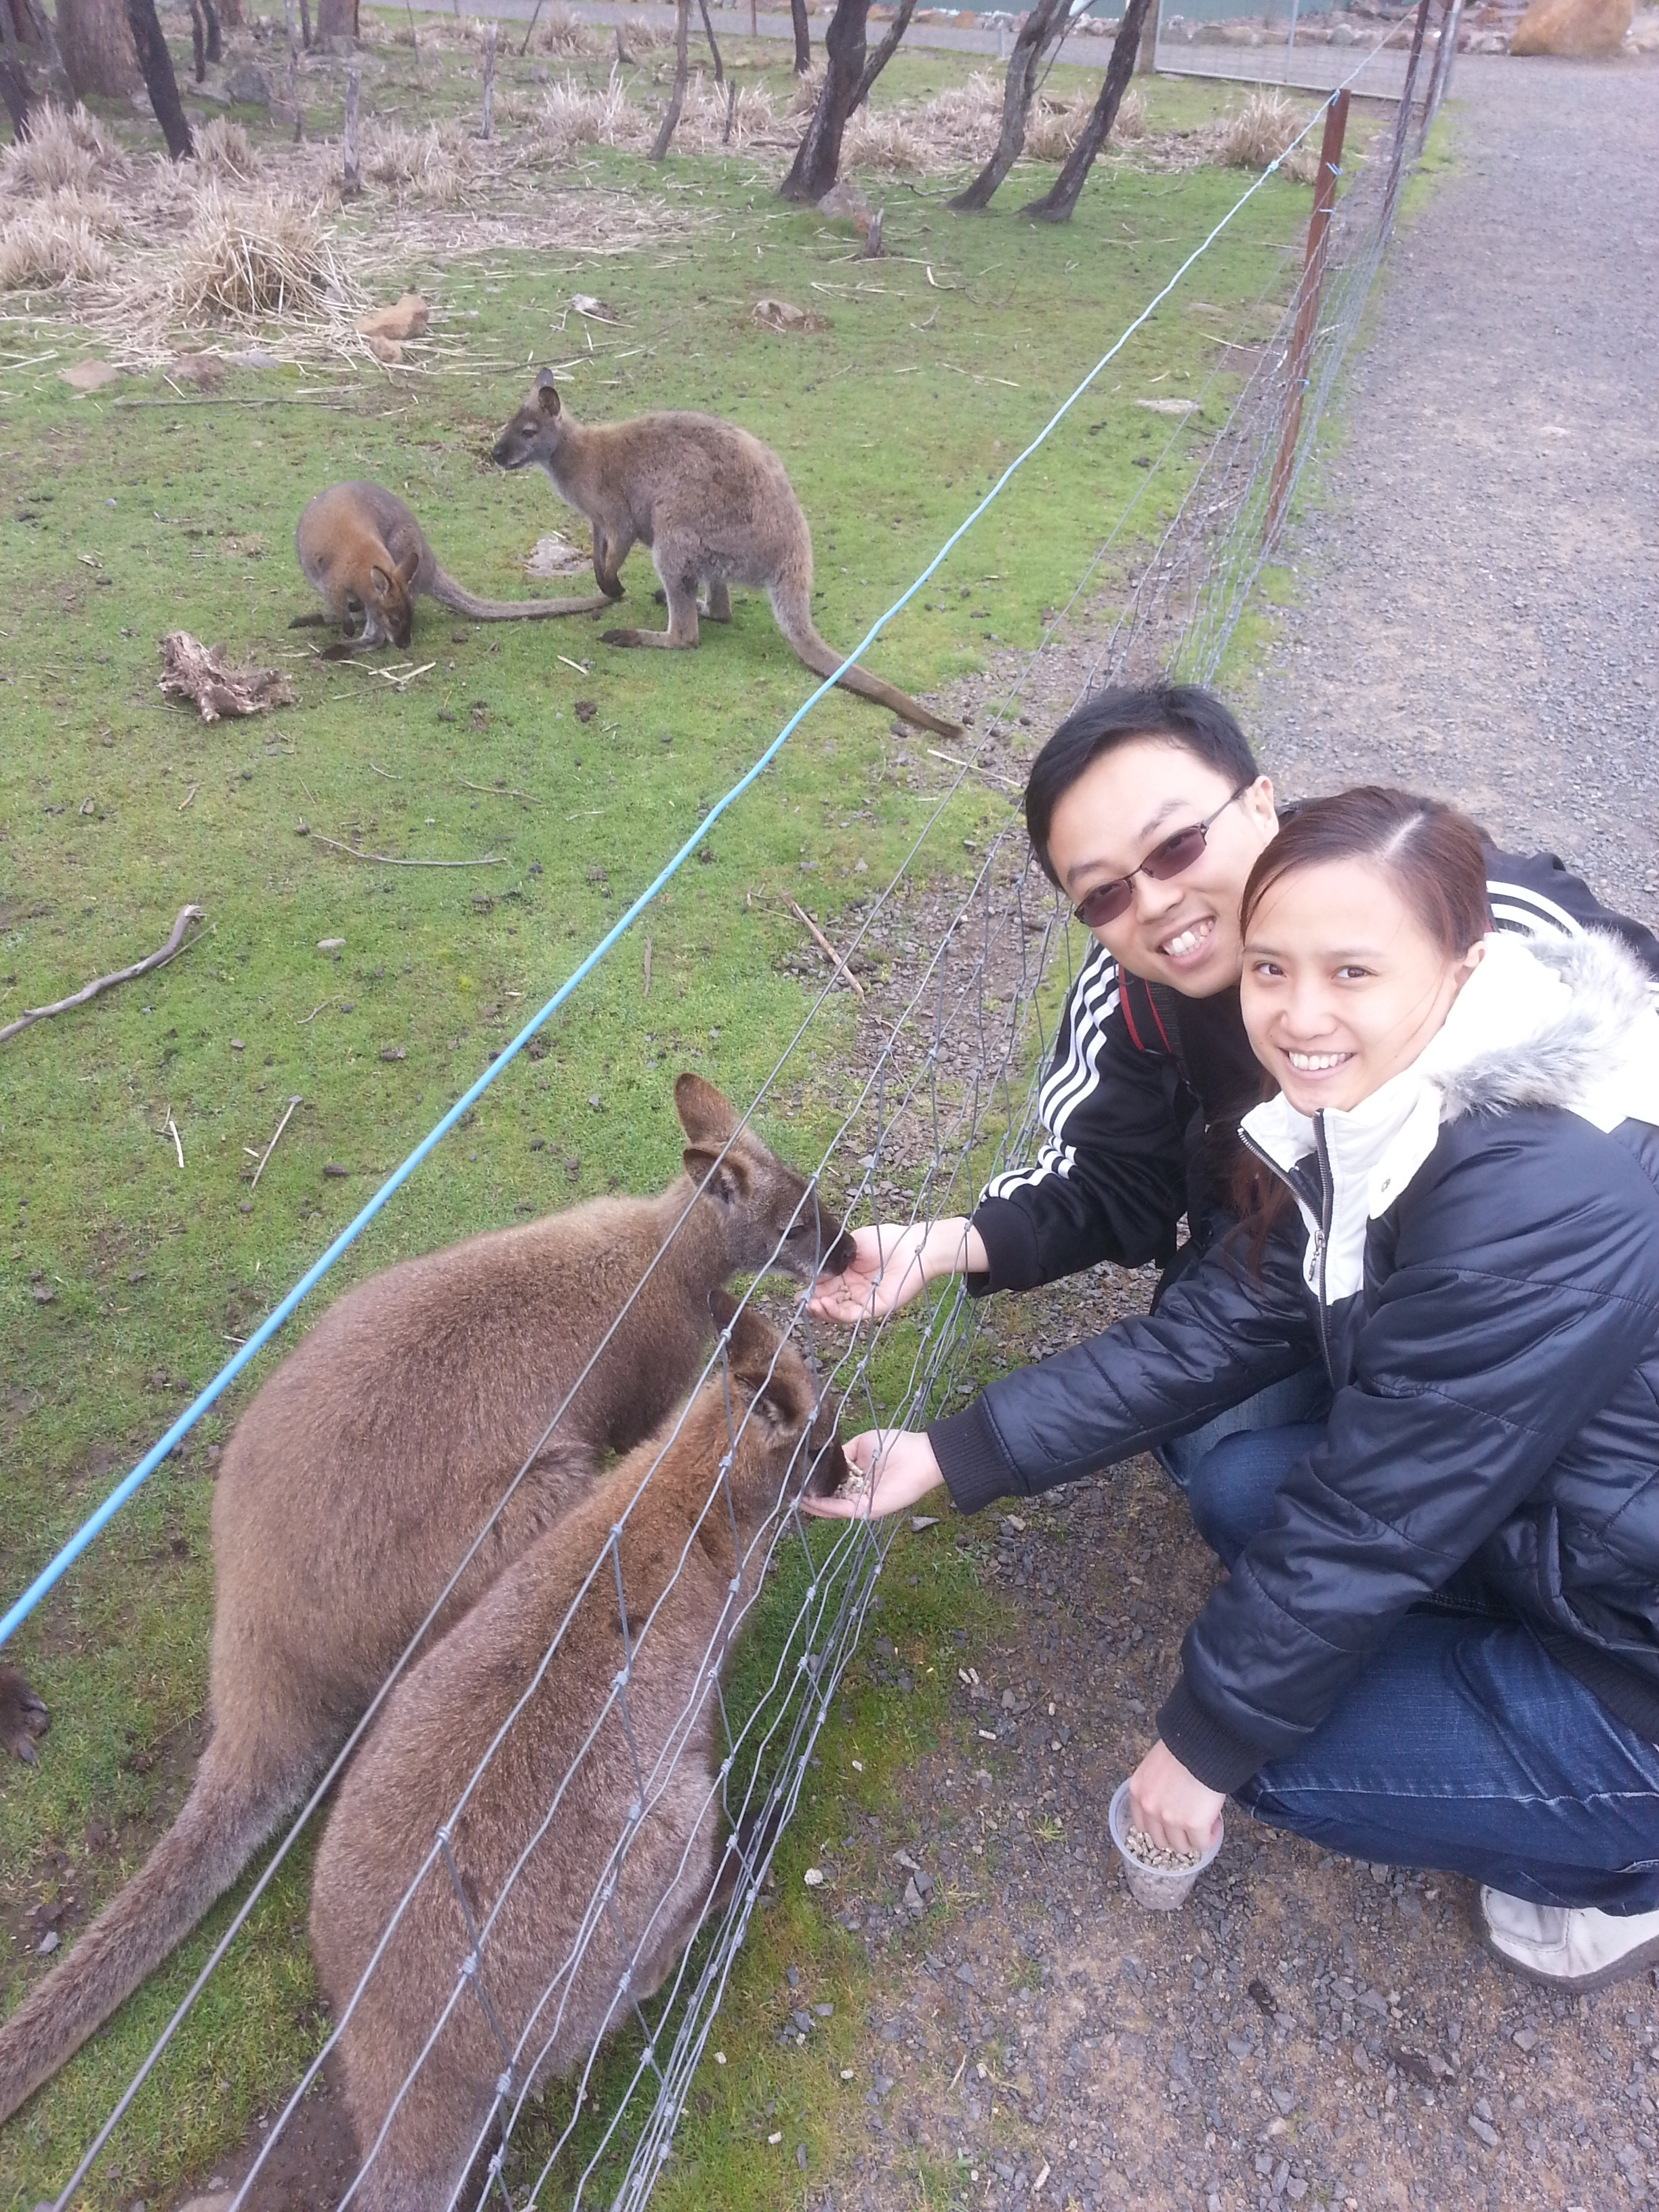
pixel 841 1251
pixel 829 1468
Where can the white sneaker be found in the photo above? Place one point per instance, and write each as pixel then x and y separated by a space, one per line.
pixel 1575 1948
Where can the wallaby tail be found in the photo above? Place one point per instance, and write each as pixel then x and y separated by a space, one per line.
pixel 796 624
pixel 449 594
pixel 218 1829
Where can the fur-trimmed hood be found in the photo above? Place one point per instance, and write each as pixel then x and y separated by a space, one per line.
pixel 1568 1023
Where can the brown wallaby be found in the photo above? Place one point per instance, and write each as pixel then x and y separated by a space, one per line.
pixel 715 508
pixel 557 1967
pixel 365 552
pixel 366 1464
pixel 23 1715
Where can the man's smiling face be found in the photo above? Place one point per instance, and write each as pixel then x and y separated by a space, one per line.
pixel 1182 932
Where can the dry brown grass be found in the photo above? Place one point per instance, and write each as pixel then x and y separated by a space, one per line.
pixel 561 32
pixel 433 166
pixel 224 150
pixel 52 243
pixel 1252 135
pixel 576 115
pixel 250 257
pixel 65 150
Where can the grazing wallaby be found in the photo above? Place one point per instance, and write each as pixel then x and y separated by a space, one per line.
pixel 715 508
pixel 551 1965
pixel 367 555
pixel 23 1715
pixel 367 1463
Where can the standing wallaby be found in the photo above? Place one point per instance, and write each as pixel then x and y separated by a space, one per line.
pixel 22 1714
pixel 551 1964
pixel 367 1463
pixel 715 508
pixel 365 552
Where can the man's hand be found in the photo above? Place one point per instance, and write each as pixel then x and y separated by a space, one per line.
pixel 891 1264
pixel 900 1467
pixel 1173 1807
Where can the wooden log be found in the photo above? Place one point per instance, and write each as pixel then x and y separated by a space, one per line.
pixel 1307 312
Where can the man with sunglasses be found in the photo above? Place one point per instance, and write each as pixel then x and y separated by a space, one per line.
pixel 1147 810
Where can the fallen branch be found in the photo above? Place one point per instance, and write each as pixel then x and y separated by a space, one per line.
pixel 494 791
pixel 175 942
pixel 171 1129
pixel 270 1148
pixel 385 860
pixel 200 673
pixel 825 946
pixel 989 774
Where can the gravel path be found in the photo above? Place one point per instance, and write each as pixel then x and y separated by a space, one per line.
pixel 1479 613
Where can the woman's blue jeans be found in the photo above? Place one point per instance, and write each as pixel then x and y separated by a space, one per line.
pixel 1464 1746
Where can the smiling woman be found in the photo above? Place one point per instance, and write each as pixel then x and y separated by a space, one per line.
pixel 1466 1151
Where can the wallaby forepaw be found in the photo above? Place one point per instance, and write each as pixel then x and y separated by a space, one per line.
pixel 618 637
pixel 23 1715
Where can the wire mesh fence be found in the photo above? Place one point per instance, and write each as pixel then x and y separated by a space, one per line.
pixel 558 1900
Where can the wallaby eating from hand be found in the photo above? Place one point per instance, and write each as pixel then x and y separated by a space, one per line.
pixel 715 508
pixel 369 1461
pixel 365 552
pixel 563 1791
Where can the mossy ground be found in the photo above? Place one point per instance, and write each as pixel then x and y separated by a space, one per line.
pixel 125 1278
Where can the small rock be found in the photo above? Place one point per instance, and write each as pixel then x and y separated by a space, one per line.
pixel 248 86
pixel 813 1877
pixel 393 1052
pixel 921 1521
pixel 334 1171
pixel 48 1943
pixel 330 943
pixel 1484 2129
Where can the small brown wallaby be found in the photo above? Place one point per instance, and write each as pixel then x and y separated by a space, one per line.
pixel 366 1464
pixel 715 508
pixel 364 551
pixel 23 1715
pixel 551 1964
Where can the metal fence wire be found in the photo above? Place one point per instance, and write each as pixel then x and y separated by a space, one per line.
pixel 950 1088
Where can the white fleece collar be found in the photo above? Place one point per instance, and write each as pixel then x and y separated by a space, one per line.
pixel 1572 1025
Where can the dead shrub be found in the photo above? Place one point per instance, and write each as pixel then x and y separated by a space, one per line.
pixel 65 150
pixel 804 97
pixel 224 150
pixel 563 32
pixel 574 115
pixel 887 141
pixel 1259 132
pixel 434 165
pixel 250 257
pixel 52 243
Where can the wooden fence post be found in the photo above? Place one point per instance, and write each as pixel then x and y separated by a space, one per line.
pixel 489 80
pixel 1451 16
pixel 352 182
pixel 1403 120
pixel 1307 312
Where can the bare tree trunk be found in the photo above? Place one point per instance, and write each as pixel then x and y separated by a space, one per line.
pixel 817 157
pixel 682 66
pixel 336 19
pixel 1042 27
pixel 803 37
pixel 197 41
pixel 215 44
pixel 1056 206
pixel 884 52
pixel 14 78
pixel 160 83
pixel 305 24
pixel 100 58
pixel 719 73
pixel 230 13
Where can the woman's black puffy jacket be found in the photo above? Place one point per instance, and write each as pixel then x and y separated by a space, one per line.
pixel 1494 1436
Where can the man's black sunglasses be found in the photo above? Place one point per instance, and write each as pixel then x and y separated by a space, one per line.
pixel 1173 857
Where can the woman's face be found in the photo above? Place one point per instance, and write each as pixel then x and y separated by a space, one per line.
pixel 1342 986
pixel 1184 931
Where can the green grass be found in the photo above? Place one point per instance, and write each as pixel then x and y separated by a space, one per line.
pixel 125 521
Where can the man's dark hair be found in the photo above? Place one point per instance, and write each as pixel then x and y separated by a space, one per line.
pixel 1178 713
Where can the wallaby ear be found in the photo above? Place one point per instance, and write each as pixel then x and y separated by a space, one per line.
pixel 407 566
pixel 753 1346
pixel 547 396
pixel 728 1181
pixel 706 1117
pixel 382 581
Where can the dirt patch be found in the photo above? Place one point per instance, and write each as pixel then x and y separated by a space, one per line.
pixel 310 2165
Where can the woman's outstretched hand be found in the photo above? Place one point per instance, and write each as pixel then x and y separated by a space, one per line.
pixel 1172 1806
pixel 900 1467
pixel 891 1264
